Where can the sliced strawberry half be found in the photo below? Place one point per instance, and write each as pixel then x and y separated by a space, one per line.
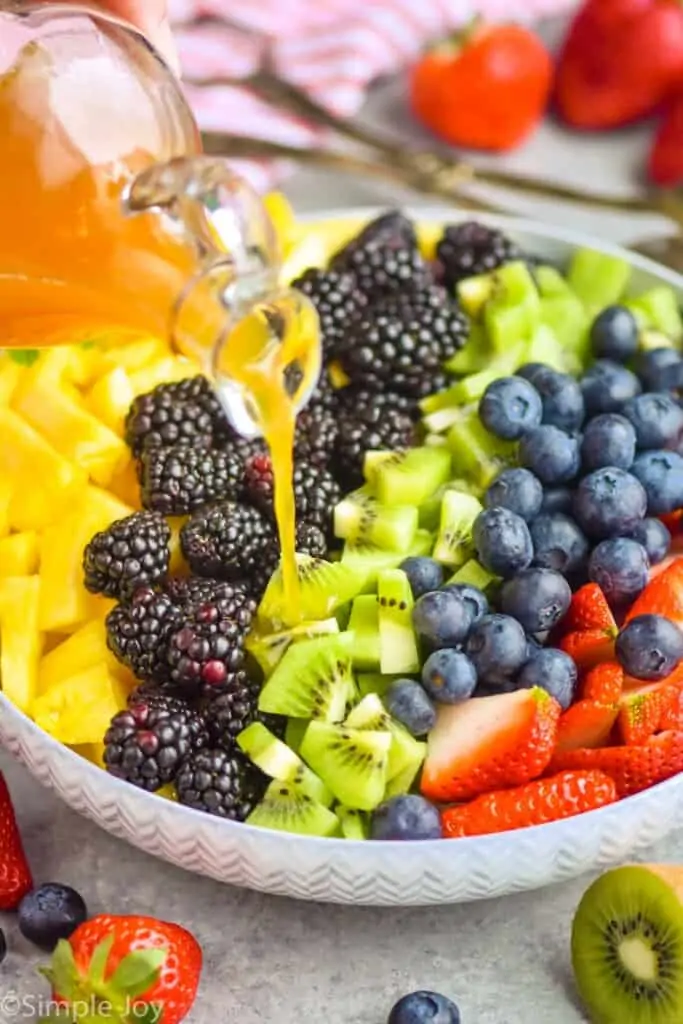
pixel 672 715
pixel 604 683
pixel 632 768
pixel 489 742
pixel 662 596
pixel 641 711
pixel 589 610
pixel 586 724
pixel 589 647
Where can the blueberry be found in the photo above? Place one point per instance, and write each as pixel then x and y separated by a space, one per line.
pixel 537 598
pixel 442 618
pixel 614 334
pixel 557 499
pixel 424 1008
pixel 655 538
pixel 517 490
pixel 494 687
pixel 510 407
pixel 409 704
pixel 502 541
pixel 661 474
pixel 475 600
pixel 406 817
pixel 609 502
pixel 424 574
pixel 608 440
pixel 657 419
pixel 558 543
pixel 660 369
pixel 551 454
pixel 51 913
pixel 552 670
pixel 620 567
pixel 530 370
pixel 649 647
pixel 561 397
pixel 448 676
pixel 606 386
pixel 497 647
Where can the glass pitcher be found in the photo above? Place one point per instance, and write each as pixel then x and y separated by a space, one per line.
pixel 111 217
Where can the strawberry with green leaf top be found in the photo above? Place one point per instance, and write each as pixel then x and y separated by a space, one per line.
pixel 125 969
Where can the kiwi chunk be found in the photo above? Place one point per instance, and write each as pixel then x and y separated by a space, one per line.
pixel 597 278
pixel 473 356
pixel 294 732
pixel 474 292
pixel 657 310
pixel 353 823
pixel 324 587
pixel 454 544
pixel 405 780
pixel 364 624
pixel 369 560
pixel 405 751
pixel 478 456
pixel 430 510
pixel 362 519
pixel 285 808
pixel 410 477
pixel 268 648
pixel 513 312
pixel 352 762
pixel 627 946
pixel 474 574
pixel 275 759
pixel 398 646
pixel 313 680
pixel 471 388
pixel 375 682
pixel 555 348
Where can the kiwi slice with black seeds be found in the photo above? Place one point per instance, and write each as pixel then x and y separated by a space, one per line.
pixel 454 544
pixel 313 680
pixel 352 762
pixel 323 587
pixel 277 760
pixel 412 476
pixel 269 648
pixel 286 808
pixel 361 518
pixel 398 645
pixel 364 624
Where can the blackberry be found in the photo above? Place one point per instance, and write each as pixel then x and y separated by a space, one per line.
pixel 220 783
pixel 229 541
pixel 370 421
pixel 403 344
pixel 131 553
pixel 316 492
pixel 311 540
pixel 146 743
pixel 178 480
pixel 206 649
pixel 337 300
pixel 194 592
pixel 473 248
pixel 231 710
pixel 383 269
pixel 316 433
pixel 391 227
pixel 187 411
pixel 137 632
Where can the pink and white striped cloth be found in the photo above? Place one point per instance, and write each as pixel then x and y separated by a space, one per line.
pixel 334 49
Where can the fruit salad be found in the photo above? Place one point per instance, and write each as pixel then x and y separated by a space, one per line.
pixel 488 486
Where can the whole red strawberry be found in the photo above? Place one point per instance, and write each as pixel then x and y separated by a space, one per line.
pixel 136 968
pixel 665 162
pixel 15 874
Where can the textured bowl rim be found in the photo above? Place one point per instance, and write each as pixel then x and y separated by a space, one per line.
pixel 358 849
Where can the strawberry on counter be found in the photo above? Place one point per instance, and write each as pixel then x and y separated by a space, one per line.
pixel 15 874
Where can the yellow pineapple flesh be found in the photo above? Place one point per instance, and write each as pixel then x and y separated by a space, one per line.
pixel 20 639
pixel 79 709
pixel 19 554
pixel 109 399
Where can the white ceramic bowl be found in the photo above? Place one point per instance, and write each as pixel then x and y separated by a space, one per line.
pixel 343 871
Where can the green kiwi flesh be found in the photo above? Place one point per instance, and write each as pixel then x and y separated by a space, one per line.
pixel 513 312
pixel 478 456
pixel 412 477
pixel 368 560
pixel 376 682
pixel 364 624
pixel 474 292
pixel 351 762
pixel 353 823
pixel 268 648
pixel 474 574
pixel 313 680
pixel 430 511
pixel 294 732
pixel 324 587
pixel 657 310
pixel 563 348
pixel 627 948
pixel 285 808
pixel 362 518
pixel 597 278
pixel 398 646
pixel 473 356
pixel 275 759
pixel 454 543
pixel 404 781
pixel 405 751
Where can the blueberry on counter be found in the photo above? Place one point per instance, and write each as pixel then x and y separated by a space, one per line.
pixel 551 454
pixel 657 419
pixel 660 369
pixel 609 502
pixel 424 574
pixel 517 490
pixel 563 404
pixel 614 334
pixel 536 598
pixel 606 386
pixel 655 538
pixel 621 568
pixel 406 817
pixel 408 703
pixel 3 946
pixel 442 618
pixel 649 647
pixel 502 541
pixel 50 913
pixel 552 670
pixel 661 474
pixel 424 1008
pixel 448 676
pixel 608 440
pixel 497 647
pixel 510 407
pixel 558 543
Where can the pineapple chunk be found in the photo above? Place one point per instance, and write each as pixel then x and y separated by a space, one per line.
pixel 44 481
pixel 164 371
pixel 93 752
pixel 19 554
pixel 177 565
pixel 110 398
pixel 6 492
pixel 10 372
pixel 85 365
pixel 20 639
pixel 48 407
pixel 126 487
pixel 86 648
pixel 64 601
pixel 135 355
pixel 78 710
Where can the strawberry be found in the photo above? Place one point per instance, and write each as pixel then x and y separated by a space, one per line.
pixel 589 610
pixel 560 796
pixel 586 724
pixel 662 596
pixel 659 567
pixel 485 88
pixel 481 744
pixel 632 768
pixel 672 714
pixel 588 647
pixel 673 522
pixel 641 710
pixel 144 969
pixel 604 683
pixel 15 874
pixel 665 160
